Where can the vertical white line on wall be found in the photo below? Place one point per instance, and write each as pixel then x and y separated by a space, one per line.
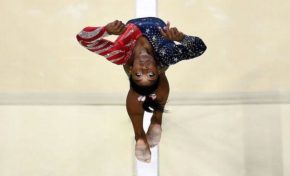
pixel 147 8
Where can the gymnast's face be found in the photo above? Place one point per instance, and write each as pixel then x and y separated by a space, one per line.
pixel 144 70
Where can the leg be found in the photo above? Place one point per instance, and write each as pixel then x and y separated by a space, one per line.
pixel 154 132
pixel 163 92
pixel 136 112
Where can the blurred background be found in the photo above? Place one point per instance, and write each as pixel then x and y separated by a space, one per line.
pixel 62 108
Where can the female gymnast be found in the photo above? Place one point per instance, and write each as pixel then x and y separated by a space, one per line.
pixel 145 47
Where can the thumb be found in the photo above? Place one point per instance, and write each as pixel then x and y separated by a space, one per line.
pixel 167 26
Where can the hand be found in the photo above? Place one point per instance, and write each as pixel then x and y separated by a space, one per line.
pixel 171 33
pixel 116 27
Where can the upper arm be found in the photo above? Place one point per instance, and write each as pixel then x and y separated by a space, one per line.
pixel 127 69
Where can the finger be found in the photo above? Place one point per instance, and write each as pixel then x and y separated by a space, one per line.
pixel 168 25
pixel 162 32
pixel 169 34
pixel 119 24
pixel 114 23
pixel 117 27
pixel 120 28
pixel 123 30
pixel 181 36
pixel 174 31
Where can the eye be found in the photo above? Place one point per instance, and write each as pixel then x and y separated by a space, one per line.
pixel 138 74
pixel 151 74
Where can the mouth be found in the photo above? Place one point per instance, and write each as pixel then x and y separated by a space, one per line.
pixel 146 61
pixel 144 56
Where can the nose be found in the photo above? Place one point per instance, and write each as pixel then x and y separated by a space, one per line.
pixel 144 80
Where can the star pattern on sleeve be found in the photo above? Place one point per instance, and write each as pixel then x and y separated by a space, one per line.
pixel 168 52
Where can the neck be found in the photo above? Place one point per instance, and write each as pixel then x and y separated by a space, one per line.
pixel 142 47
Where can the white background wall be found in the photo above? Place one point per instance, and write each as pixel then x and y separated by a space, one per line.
pixel 247 46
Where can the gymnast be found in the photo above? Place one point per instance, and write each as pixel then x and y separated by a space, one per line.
pixel 146 47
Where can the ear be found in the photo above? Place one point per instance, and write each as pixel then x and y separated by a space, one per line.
pixel 160 70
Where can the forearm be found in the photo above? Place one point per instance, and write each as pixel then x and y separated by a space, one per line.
pixel 194 44
pixel 91 35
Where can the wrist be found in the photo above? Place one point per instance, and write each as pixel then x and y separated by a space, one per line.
pixel 180 39
pixel 107 31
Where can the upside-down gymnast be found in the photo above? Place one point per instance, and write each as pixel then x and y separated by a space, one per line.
pixel 146 47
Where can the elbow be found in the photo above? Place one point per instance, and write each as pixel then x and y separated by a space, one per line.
pixel 204 47
pixel 201 45
pixel 78 38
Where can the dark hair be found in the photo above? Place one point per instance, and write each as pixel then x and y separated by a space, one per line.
pixel 146 91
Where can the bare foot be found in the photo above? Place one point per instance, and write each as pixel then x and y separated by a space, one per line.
pixel 142 151
pixel 154 135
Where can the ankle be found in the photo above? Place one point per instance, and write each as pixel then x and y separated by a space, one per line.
pixel 141 136
pixel 156 121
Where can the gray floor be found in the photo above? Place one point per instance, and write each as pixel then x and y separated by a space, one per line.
pixel 216 140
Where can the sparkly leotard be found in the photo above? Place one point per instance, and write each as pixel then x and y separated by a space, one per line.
pixel 118 52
